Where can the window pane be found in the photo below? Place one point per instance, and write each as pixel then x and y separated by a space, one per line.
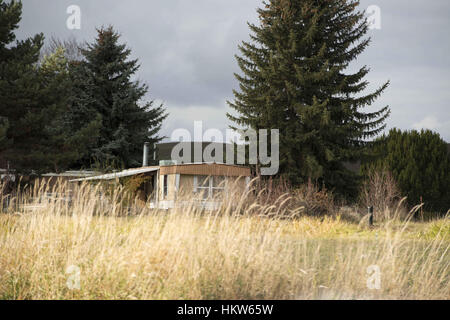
pixel 202 181
pixel 219 181
pixel 202 193
pixel 218 193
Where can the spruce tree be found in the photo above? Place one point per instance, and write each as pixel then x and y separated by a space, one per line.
pixel 22 117
pixel 34 96
pixel 295 79
pixel 104 88
pixel 63 146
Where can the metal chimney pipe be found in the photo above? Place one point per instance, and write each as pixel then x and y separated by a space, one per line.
pixel 145 156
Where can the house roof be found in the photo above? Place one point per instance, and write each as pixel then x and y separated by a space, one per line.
pixel 121 174
pixel 207 169
pixel 74 174
pixel 164 150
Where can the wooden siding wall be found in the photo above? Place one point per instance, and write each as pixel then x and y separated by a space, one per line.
pixel 214 169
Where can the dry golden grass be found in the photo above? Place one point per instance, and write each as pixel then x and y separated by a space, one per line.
pixel 231 254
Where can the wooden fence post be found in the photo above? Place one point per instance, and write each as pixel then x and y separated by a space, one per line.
pixel 370 210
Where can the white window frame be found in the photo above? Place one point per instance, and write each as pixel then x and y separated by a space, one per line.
pixel 210 185
pixel 221 186
pixel 199 188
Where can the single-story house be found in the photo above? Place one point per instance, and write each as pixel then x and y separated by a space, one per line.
pixel 168 184
pixel 171 185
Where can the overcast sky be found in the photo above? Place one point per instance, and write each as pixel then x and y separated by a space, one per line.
pixel 186 50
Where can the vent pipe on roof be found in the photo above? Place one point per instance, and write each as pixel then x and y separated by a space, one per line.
pixel 145 156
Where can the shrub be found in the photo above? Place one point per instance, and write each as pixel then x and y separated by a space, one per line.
pixel 317 201
pixel 307 199
pixel 380 191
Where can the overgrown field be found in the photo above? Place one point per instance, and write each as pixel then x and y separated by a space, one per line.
pixel 85 251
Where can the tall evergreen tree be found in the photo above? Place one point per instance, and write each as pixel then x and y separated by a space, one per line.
pixel 103 87
pixel 22 117
pixel 62 146
pixel 420 163
pixel 34 136
pixel 294 79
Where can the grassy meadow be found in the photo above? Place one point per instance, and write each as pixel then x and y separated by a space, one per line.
pixel 97 249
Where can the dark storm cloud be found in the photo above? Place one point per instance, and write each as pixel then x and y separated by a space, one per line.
pixel 186 50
